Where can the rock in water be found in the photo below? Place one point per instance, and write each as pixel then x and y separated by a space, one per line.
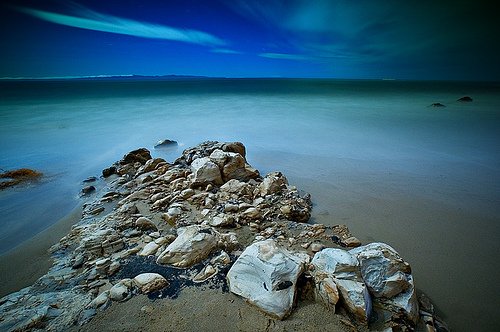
pixel 465 99
pixel 437 105
pixel 165 143
pixel 339 267
pixel 266 275
pixel 192 244
pixel 389 279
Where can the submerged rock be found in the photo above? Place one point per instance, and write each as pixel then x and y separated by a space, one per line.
pixel 164 143
pixel 18 176
pixel 437 105
pixel 266 275
pixel 465 99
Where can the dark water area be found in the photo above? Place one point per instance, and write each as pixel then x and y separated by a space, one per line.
pixel 374 155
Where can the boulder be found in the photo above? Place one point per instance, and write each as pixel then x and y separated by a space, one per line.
pixel 205 171
pixel 266 275
pixel 385 273
pixel 150 282
pixel 193 244
pixel 341 268
pixel 388 278
pixel 165 143
pixel 149 249
pixel 272 183
pixel 236 147
pixel 235 167
pixel 141 155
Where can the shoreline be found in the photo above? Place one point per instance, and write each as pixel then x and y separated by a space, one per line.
pixel 174 225
pixel 22 265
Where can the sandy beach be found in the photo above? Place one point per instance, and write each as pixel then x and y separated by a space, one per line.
pixel 23 265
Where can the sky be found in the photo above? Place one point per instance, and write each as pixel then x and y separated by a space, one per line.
pixel 363 39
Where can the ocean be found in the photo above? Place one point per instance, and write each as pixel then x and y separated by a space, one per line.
pixel 373 154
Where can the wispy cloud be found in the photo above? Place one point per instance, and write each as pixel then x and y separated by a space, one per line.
pixel 224 51
pixel 90 20
pixel 285 56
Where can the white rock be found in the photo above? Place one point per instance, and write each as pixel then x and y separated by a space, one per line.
pixel 206 273
pixel 388 277
pixel 192 244
pixel 266 275
pixel 101 300
pixel 119 292
pixel 237 187
pixel 205 171
pixel 343 269
pixel 149 282
pixel 149 249
pixel 222 259
pixel 272 183
pixel 221 221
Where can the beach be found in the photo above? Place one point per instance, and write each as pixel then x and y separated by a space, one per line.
pixel 423 180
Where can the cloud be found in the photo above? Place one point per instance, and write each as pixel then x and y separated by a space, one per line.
pixel 90 20
pixel 285 56
pixel 224 51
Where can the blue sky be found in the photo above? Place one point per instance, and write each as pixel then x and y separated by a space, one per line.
pixel 322 38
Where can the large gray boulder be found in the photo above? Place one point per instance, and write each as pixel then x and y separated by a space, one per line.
pixel 338 269
pixel 193 244
pixel 388 278
pixel 266 275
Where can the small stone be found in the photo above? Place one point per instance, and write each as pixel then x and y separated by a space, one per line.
pixel 90 179
pixel 222 259
pixel 186 193
pixel 252 213
pixel 206 273
pixel 305 245
pixel 119 292
pixel 351 242
pixel 231 207
pixel 88 190
pixel 144 223
pixel 315 247
pixel 149 249
pixel 150 282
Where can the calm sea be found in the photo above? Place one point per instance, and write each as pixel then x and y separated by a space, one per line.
pixel 373 154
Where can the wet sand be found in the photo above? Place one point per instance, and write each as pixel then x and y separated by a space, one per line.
pixel 209 310
pixel 24 264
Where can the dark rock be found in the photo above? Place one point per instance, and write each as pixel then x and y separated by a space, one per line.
pixel 18 176
pixel 87 190
pixel 437 105
pixel 140 155
pixel 90 179
pixel 465 99
pixel 109 171
pixel 165 143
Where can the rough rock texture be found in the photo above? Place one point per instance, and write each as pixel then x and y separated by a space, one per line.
pixel 389 279
pixel 192 244
pixel 153 215
pixel 339 267
pixel 266 275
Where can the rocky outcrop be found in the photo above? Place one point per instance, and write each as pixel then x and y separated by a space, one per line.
pixel 266 275
pixel 158 225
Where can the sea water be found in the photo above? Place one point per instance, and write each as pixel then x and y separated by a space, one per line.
pixel 373 154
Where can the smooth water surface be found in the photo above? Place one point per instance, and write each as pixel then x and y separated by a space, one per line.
pixel 372 154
